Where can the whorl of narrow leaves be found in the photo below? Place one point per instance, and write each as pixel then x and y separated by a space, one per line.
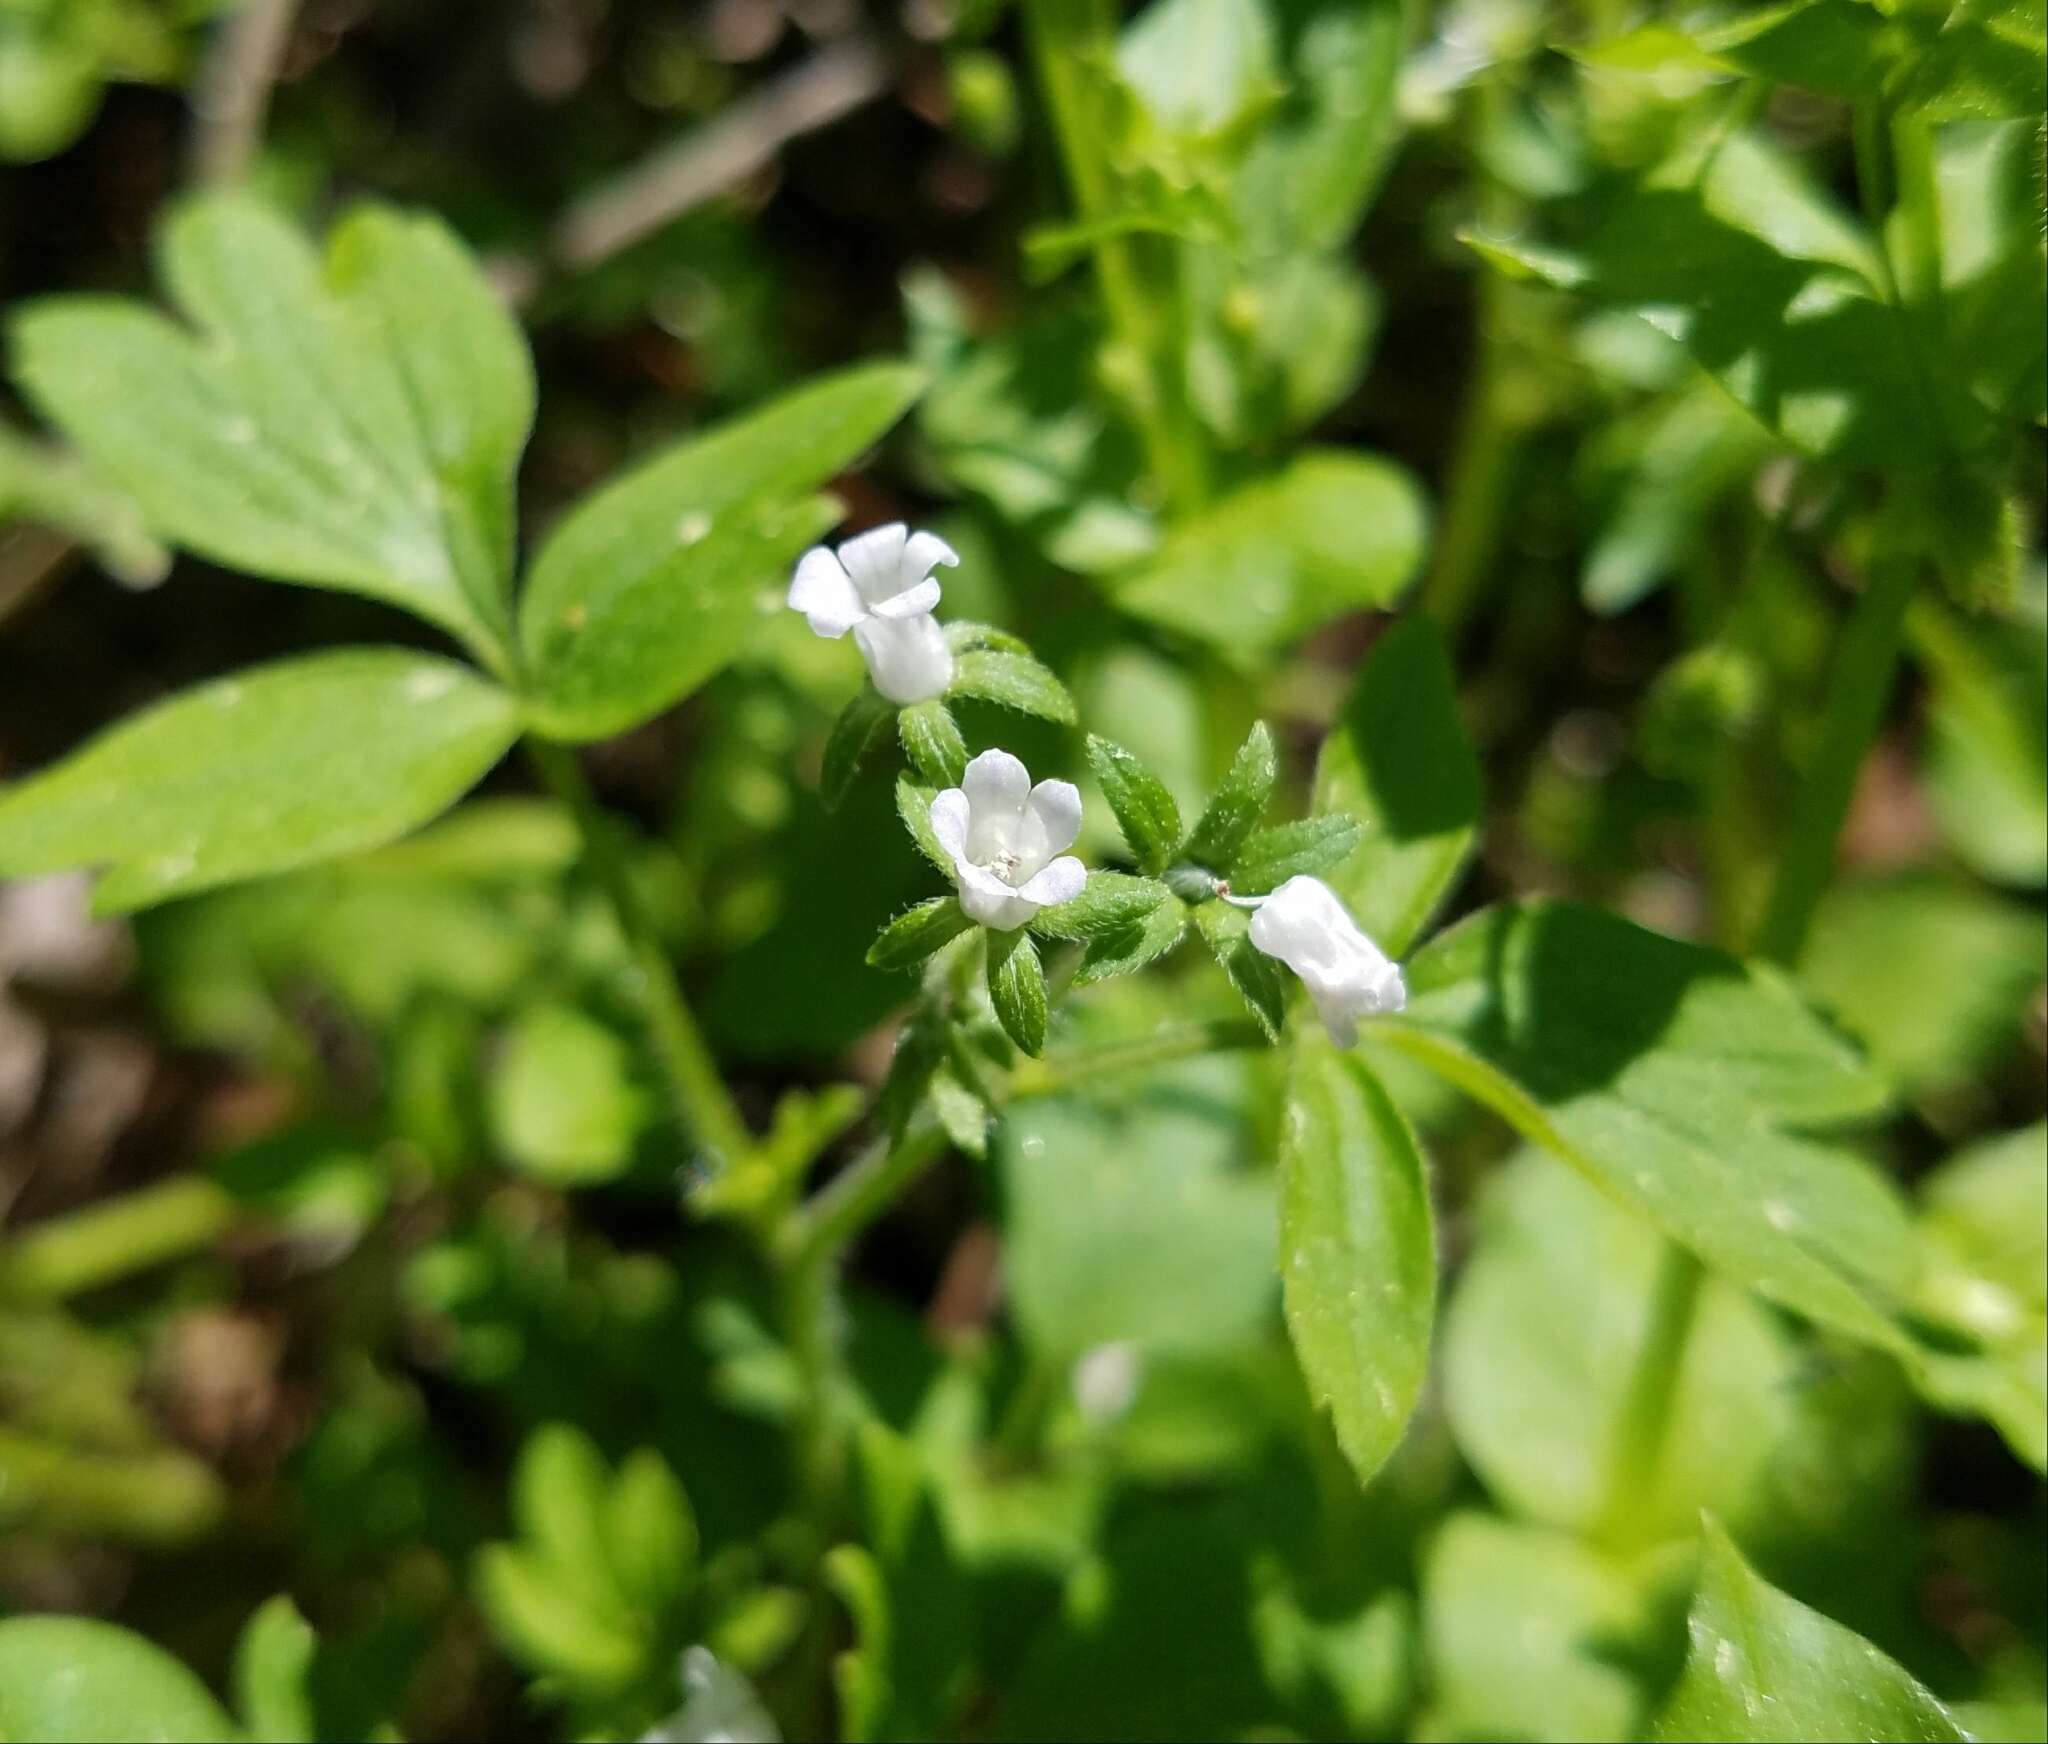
pixel 914 935
pixel 1016 988
pixel 1145 811
pixel 932 742
pixel 1238 803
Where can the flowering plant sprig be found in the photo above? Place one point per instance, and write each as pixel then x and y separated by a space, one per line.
pixel 1253 894
pixel 879 585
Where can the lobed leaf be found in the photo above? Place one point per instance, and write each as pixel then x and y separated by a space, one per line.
pixel 280 767
pixel 352 425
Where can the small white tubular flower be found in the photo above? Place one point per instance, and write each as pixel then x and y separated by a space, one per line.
pixel 1348 976
pixel 880 586
pixel 1003 834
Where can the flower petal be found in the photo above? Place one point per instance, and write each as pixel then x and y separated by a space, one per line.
pixel 1057 805
pixel 996 785
pixel 908 660
pixel 949 815
pixel 874 559
pixel 822 591
pixel 1059 882
pixel 912 602
pixel 924 552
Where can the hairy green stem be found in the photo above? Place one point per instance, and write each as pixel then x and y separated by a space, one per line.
pixel 113 1239
pixel 698 1093
pixel 1858 689
pixel 1645 1423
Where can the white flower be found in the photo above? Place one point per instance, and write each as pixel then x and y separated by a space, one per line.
pixel 880 587
pixel 1002 834
pixel 1348 976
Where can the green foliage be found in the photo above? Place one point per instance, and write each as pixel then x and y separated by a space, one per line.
pixel 1761 1665
pixel 71 1678
pixel 1357 1250
pixel 563 1104
pixel 1016 988
pixel 285 765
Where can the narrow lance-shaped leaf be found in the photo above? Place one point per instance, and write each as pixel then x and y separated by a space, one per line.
pixel 652 585
pixel 1016 987
pixel 1145 811
pixel 273 1666
pixel 1013 680
pixel 352 427
pixel 914 935
pixel 1259 981
pixel 932 742
pixel 279 767
pixel 1762 1666
pixel 1306 846
pixel 1238 803
pixel 1399 761
pixel 1357 1252
pixel 1111 903
pixel 854 734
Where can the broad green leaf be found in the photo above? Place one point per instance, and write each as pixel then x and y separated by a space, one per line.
pixel 1837 47
pixel 1667 1073
pixel 1259 980
pixel 1013 680
pixel 1016 987
pixel 1989 62
pixel 651 585
pixel 279 767
pixel 1320 155
pixel 73 1680
pixel 1238 803
pixel 1145 810
pixel 353 425
pixel 1932 974
pixel 1760 1665
pixel 915 934
pixel 1110 905
pixel 563 1104
pixel 1334 532
pixel 855 733
pixel 1357 1249
pixel 1984 1224
pixel 931 740
pixel 1994 191
pixel 1399 761
pixel 273 1663
pixel 1540 1342
pixel 1132 1219
pixel 1521 1627
pixel 1777 295
pixel 1307 846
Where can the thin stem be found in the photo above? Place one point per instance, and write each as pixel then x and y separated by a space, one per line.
pixel 233 98
pixel 1653 1386
pixel 113 1239
pixel 698 1092
pixel 1857 692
